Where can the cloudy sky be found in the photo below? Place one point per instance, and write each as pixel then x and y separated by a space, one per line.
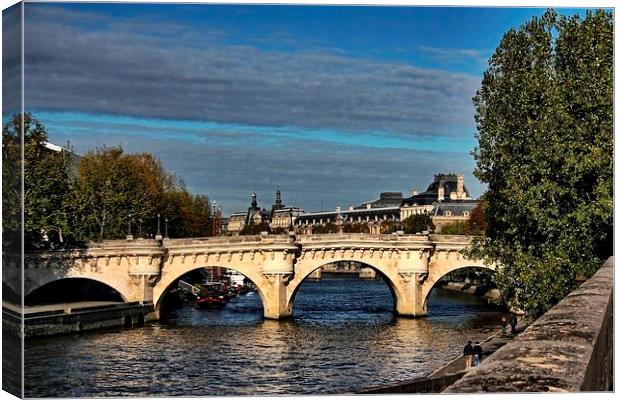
pixel 333 104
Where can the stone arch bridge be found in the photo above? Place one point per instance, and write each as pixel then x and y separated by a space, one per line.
pixel 144 270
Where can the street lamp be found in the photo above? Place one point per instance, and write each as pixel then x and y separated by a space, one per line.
pixel 129 235
pixel 215 213
pixel 166 228
pixel 158 235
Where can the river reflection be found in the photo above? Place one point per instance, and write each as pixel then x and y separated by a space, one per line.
pixel 343 338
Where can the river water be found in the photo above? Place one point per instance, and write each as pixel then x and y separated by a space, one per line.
pixel 342 338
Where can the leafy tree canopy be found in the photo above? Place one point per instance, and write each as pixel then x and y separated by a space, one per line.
pixel 544 114
pixel 418 223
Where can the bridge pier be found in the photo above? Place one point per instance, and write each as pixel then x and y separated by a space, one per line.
pixel 410 301
pixel 275 298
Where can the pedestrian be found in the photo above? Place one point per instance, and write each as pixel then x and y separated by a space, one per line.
pixel 504 324
pixel 513 323
pixel 477 354
pixel 468 352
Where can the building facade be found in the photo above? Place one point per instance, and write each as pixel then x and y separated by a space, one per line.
pixel 446 201
pixel 279 217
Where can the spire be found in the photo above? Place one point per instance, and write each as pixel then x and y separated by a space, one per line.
pixel 254 203
pixel 278 197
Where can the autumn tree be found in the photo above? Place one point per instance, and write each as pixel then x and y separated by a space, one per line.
pixel 544 114
pixel 113 188
pixel 476 224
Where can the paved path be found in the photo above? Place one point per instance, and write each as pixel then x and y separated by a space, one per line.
pixel 489 346
pixel 66 307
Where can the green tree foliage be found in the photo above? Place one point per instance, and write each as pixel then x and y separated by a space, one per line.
pixel 418 223
pixel 11 185
pixel 544 114
pixel 47 184
pixel 329 227
pixel 355 227
pixel 389 227
pixel 255 229
pixel 455 228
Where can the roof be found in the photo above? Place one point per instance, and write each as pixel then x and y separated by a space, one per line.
pixel 386 199
pixel 456 207
pixel 343 213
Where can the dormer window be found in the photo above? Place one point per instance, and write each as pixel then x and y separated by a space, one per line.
pixel 447 213
pixel 466 213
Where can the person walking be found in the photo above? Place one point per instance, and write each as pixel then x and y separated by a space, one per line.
pixel 477 354
pixel 468 352
pixel 513 323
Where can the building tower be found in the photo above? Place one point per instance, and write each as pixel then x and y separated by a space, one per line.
pixel 278 204
pixel 254 203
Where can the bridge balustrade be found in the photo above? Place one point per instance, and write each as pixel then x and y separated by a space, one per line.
pixel 144 269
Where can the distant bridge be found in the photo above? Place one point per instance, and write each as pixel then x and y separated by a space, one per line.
pixel 145 270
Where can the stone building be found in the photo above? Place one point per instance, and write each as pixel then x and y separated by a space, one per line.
pixel 446 200
pixel 279 217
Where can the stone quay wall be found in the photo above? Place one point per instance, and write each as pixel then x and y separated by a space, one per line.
pixel 83 319
pixel 568 349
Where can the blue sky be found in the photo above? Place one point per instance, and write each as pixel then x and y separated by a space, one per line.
pixel 333 104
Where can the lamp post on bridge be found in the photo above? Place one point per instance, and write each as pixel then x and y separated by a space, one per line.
pixel 158 234
pixel 215 208
pixel 166 228
pixel 129 235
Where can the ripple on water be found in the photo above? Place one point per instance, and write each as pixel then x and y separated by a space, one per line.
pixel 343 337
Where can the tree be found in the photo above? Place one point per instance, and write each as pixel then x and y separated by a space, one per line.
pixel 418 223
pixel 477 224
pixel 11 185
pixel 113 187
pixel 455 228
pixel 255 229
pixel 355 227
pixel 544 114
pixel 47 184
pixel 329 227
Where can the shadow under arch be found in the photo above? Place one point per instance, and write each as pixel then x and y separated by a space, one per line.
pixel 73 289
pixel 171 284
pixel 429 285
pixel 301 277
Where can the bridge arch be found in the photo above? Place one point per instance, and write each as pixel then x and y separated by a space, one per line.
pixel 304 269
pixel 165 284
pixel 67 289
pixel 438 270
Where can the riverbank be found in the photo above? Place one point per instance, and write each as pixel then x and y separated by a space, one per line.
pixel 62 318
pixel 492 294
pixel 440 379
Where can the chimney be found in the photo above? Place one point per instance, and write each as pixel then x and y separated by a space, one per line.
pixel 368 206
pixel 414 192
pixel 459 186
pixel 440 195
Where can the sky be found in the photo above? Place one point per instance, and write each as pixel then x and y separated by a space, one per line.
pixel 332 104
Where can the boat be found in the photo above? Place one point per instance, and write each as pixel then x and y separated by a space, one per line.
pixel 211 295
pixel 210 301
